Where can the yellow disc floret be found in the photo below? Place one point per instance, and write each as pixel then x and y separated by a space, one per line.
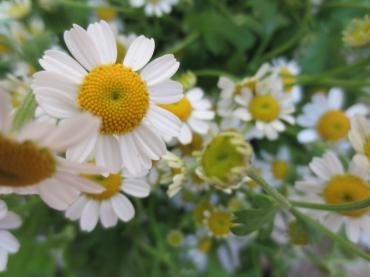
pixel 219 223
pixel 288 79
pixel 25 163
pixel 333 125
pixel 106 13
pixel 347 188
pixel 181 109
pixel 265 108
pixel 112 185
pixel 280 169
pixel 117 95
pixel 357 34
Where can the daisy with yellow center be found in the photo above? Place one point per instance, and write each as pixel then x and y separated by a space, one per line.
pixel 15 9
pixel 109 205
pixel 275 169
pixel 224 160
pixel 287 72
pixel 324 119
pixel 8 243
pixel 154 7
pixel 332 184
pixel 218 223
pixel 28 160
pixel 124 99
pixel 194 111
pixel 359 136
pixel 267 109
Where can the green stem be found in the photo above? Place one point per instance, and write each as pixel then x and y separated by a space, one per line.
pixel 213 73
pixel 357 205
pixel 88 6
pixel 254 175
pixel 347 5
pixel 346 244
pixel 316 80
pixel 182 44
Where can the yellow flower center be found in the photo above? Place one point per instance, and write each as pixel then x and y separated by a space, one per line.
pixel 106 13
pixel 219 223
pixel 117 95
pixel 175 238
pixel 347 188
pixel 181 109
pixel 265 108
pixel 288 79
pixel 280 169
pixel 24 164
pixel 367 148
pixel 199 210
pixel 112 185
pixel 333 125
pixel 204 244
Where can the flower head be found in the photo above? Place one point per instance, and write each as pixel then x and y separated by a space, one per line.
pixel 357 34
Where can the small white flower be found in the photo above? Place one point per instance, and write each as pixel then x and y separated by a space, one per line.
pixel 8 243
pixel 28 160
pixel 324 118
pixel 359 136
pixel 14 9
pixel 332 184
pixel 154 7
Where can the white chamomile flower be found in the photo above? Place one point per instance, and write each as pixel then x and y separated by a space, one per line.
pixel 287 72
pixel 275 169
pixel 359 136
pixel 332 184
pixel 324 118
pixel 28 161
pixel 154 7
pixel 8 243
pixel 109 205
pixel 14 9
pixel 194 111
pixel 124 99
pixel 267 109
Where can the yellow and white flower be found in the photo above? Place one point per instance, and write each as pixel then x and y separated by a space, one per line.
pixel 125 100
pixel 218 222
pixel 194 111
pixel 324 118
pixel 332 184
pixel 359 136
pixel 15 9
pixel 109 205
pixel 8 243
pixel 28 160
pixel 154 7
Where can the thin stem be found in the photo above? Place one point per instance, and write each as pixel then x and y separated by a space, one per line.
pixel 182 44
pixel 213 73
pixel 346 5
pixel 337 207
pixel 254 175
pixel 88 6
pixel 304 80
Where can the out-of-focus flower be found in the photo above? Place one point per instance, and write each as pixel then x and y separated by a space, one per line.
pixel 357 34
pixel 194 111
pixel 28 161
pixel 323 118
pixel 218 222
pixel 15 9
pixel 154 7
pixel 359 136
pixel 123 99
pixel 109 205
pixel 332 184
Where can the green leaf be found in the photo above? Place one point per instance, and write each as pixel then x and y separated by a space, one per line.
pixel 250 220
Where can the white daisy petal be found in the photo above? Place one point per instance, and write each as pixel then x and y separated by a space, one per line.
pixel 10 221
pixel 82 47
pixel 151 143
pixel 243 114
pixel 108 153
pixel 47 79
pixel 83 151
pixel 108 217
pixel 206 115
pixel 78 183
pixel 57 106
pixel 139 53
pixel 353 230
pixel 166 92
pixel 136 187
pixel 77 168
pixel 160 69
pixel 3 259
pixel 123 207
pixel 56 195
pixel 335 98
pixel 307 136
pixel 105 42
pixel 5 110
pixel 317 165
pixel 194 94
pixel 8 242
pixel 198 126
pixel 185 135
pixel 89 216
pixel 74 211
pixel 166 122
pixel 60 63
pixel 333 222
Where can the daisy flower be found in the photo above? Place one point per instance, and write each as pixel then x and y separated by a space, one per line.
pixel 28 161
pixel 359 136
pixel 124 99
pixel 8 243
pixel 15 9
pixel 287 72
pixel 109 205
pixel 332 184
pixel 194 111
pixel 218 222
pixel 323 118
pixel 267 108
pixel 275 169
pixel 154 7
